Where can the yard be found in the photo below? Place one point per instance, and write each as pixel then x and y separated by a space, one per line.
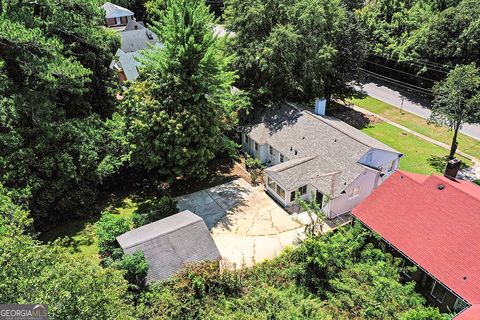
pixel 465 143
pixel 420 156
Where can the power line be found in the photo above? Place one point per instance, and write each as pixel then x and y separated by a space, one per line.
pixel 404 72
pixel 419 65
pixel 431 63
pixel 399 83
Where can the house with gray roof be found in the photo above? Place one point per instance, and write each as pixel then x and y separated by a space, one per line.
pixel 171 243
pixel 116 17
pixel 317 156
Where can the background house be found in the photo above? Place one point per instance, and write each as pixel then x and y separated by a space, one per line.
pixel 168 244
pixel 318 156
pixel 116 16
pixel 431 222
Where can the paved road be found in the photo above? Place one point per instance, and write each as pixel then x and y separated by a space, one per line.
pixel 394 98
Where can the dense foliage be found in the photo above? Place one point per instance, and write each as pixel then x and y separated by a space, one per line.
pixel 296 50
pixel 457 100
pixel 55 91
pixel 336 276
pixel 154 210
pixel 73 287
pixel 108 228
pixel 177 111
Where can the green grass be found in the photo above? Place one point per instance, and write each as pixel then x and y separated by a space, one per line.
pixel 81 233
pixel 465 143
pixel 420 156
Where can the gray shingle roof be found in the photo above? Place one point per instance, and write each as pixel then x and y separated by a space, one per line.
pixel 137 39
pixel 115 11
pixel 329 147
pixel 168 244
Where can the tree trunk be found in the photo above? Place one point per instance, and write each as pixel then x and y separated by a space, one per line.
pixel 454 146
pixel 328 96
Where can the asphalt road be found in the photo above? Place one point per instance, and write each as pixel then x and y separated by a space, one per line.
pixel 419 108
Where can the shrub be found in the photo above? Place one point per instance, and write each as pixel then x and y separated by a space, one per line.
pixel 135 267
pixel 109 227
pixel 154 210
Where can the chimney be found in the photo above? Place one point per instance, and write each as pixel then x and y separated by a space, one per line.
pixel 452 168
pixel 320 105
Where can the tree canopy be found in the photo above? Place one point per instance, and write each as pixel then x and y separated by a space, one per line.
pixel 56 90
pixel 177 111
pixel 296 50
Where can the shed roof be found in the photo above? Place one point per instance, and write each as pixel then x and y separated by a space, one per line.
pixel 434 222
pixel 168 244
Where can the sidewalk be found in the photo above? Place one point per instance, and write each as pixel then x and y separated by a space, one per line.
pixel 472 173
pixel 418 107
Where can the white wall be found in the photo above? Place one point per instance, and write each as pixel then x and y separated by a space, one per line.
pixel 343 203
pixel 379 158
pixel 274 158
pixel 262 152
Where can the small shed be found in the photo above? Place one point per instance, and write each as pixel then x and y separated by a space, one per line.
pixel 168 244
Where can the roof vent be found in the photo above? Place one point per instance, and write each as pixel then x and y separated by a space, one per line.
pixel 465 278
pixel 441 187
pixel 303 138
pixel 335 140
pixel 291 148
pixel 295 152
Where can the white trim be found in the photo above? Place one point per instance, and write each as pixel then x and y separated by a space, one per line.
pixel 435 282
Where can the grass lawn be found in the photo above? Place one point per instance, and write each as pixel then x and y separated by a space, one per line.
pixel 81 233
pixel 418 124
pixel 420 156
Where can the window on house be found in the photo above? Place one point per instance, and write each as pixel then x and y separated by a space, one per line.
pixel 256 146
pixel 407 268
pixel 281 157
pixel 292 196
pixel 354 192
pixel 390 166
pixel 302 190
pixel 459 305
pixel 272 184
pixel 244 138
pixel 280 192
pixel 438 291
pixel 270 150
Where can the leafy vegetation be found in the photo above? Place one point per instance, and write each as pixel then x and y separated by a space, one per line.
pixel 295 50
pixel 154 210
pixel 177 112
pixel 336 276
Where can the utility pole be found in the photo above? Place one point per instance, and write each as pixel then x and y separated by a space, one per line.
pixel 401 105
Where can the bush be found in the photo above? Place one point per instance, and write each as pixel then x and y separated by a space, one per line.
pixel 253 164
pixel 154 210
pixel 109 227
pixel 135 267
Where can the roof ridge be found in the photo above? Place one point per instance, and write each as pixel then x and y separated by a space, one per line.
pixel 439 177
pixel 320 118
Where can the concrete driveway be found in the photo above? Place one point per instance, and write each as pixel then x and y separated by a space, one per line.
pixel 247 225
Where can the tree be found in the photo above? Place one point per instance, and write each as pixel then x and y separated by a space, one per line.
pixel 154 210
pixel 108 228
pixel 457 101
pixel 178 110
pixel 449 37
pixel 56 90
pixel 295 50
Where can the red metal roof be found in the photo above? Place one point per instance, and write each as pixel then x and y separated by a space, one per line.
pixel 435 222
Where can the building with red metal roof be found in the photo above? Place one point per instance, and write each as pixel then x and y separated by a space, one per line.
pixel 434 223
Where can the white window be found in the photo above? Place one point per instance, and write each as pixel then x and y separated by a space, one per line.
pixel 256 146
pixel 302 190
pixel 270 150
pixel 390 166
pixel 272 184
pixel 244 136
pixel 354 192
pixel 459 305
pixel 281 157
pixel 280 192
pixel 438 291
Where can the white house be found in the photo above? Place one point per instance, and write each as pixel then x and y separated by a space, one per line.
pixel 317 156
pixel 115 16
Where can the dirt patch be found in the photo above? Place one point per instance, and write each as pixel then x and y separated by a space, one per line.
pixel 352 117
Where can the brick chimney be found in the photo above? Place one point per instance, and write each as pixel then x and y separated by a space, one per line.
pixel 452 168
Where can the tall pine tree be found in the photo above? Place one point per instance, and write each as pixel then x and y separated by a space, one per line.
pixel 182 102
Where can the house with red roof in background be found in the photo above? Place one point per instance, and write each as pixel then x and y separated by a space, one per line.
pixel 432 222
